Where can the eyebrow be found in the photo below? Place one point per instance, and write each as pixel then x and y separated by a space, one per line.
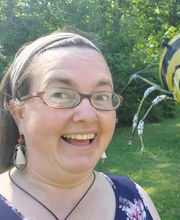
pixel 71 83
pixel 65 81
pixel 104 83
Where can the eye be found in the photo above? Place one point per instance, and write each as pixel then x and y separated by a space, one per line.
pixel 102 97
pixel 60 95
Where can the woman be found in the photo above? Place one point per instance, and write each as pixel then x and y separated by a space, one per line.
pixel 57 100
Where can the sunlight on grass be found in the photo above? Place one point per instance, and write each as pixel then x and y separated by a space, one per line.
pixel 113 170
pixel 162 165
pixel 155 124
pixel 151 190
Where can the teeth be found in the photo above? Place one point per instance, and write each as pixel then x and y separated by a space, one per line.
pixel 91 136
pixel 80 136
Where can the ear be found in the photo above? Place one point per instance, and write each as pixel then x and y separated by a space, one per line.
pixel 16 111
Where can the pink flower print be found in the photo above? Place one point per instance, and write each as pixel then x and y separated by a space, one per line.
pixel 134 211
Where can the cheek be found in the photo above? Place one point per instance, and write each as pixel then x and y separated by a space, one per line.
pixel 110 119
pixel 43 128
pixel 108 123
pixel 42 122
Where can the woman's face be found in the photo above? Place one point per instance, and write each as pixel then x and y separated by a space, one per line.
pixel 44 128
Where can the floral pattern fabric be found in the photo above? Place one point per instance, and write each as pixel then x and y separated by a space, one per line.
pixel 129 204
pixel 134 210
pixel 9 206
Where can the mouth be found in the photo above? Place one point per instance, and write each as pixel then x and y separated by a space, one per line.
pixel 79 139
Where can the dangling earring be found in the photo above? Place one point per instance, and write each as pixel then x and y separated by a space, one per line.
pixel 19 159
pixel 103 157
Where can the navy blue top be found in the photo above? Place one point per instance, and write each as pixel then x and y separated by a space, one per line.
pixel 129 204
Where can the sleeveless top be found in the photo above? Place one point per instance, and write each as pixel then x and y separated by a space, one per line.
pixel 129 204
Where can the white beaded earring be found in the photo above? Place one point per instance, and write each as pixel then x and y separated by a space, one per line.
pixel 103 157
pixel 19 159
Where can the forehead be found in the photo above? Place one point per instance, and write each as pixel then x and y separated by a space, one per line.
pixel 72 63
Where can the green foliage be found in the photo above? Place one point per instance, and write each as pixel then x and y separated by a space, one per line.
pixel 128 32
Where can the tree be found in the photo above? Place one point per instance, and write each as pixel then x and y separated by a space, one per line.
pixel 128 32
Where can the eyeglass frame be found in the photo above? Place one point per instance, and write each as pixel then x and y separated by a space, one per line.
pixel 81 95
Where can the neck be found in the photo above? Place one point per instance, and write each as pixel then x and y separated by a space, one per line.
pixel 59 179
pixel 61 182
pixel 59 198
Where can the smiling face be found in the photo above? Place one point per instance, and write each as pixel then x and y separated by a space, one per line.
pixel 69 140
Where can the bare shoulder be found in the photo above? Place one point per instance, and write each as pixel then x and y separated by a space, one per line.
pixel 105 198
pixel 148 202
pixel 5 185
pixel 4 179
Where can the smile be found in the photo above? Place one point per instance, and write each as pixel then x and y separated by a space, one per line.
pixel 79 139
pixel 79 136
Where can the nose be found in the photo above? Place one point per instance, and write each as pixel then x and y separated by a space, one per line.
pixel 84 112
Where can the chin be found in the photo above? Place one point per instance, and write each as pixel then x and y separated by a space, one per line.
pixel 81 165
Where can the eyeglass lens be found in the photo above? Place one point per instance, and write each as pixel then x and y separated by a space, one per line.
pixel 67 98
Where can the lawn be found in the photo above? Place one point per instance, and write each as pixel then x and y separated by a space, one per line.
pixel 157 170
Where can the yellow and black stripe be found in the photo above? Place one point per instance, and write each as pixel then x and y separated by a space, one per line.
pixel 170 61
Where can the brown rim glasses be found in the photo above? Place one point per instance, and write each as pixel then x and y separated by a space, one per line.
pixel 64 98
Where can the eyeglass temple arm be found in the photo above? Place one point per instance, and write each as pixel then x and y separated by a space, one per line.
pixel 31 95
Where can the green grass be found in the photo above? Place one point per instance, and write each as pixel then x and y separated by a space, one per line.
pixel 157 170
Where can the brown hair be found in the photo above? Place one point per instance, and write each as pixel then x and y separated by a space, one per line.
pixel 17 81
